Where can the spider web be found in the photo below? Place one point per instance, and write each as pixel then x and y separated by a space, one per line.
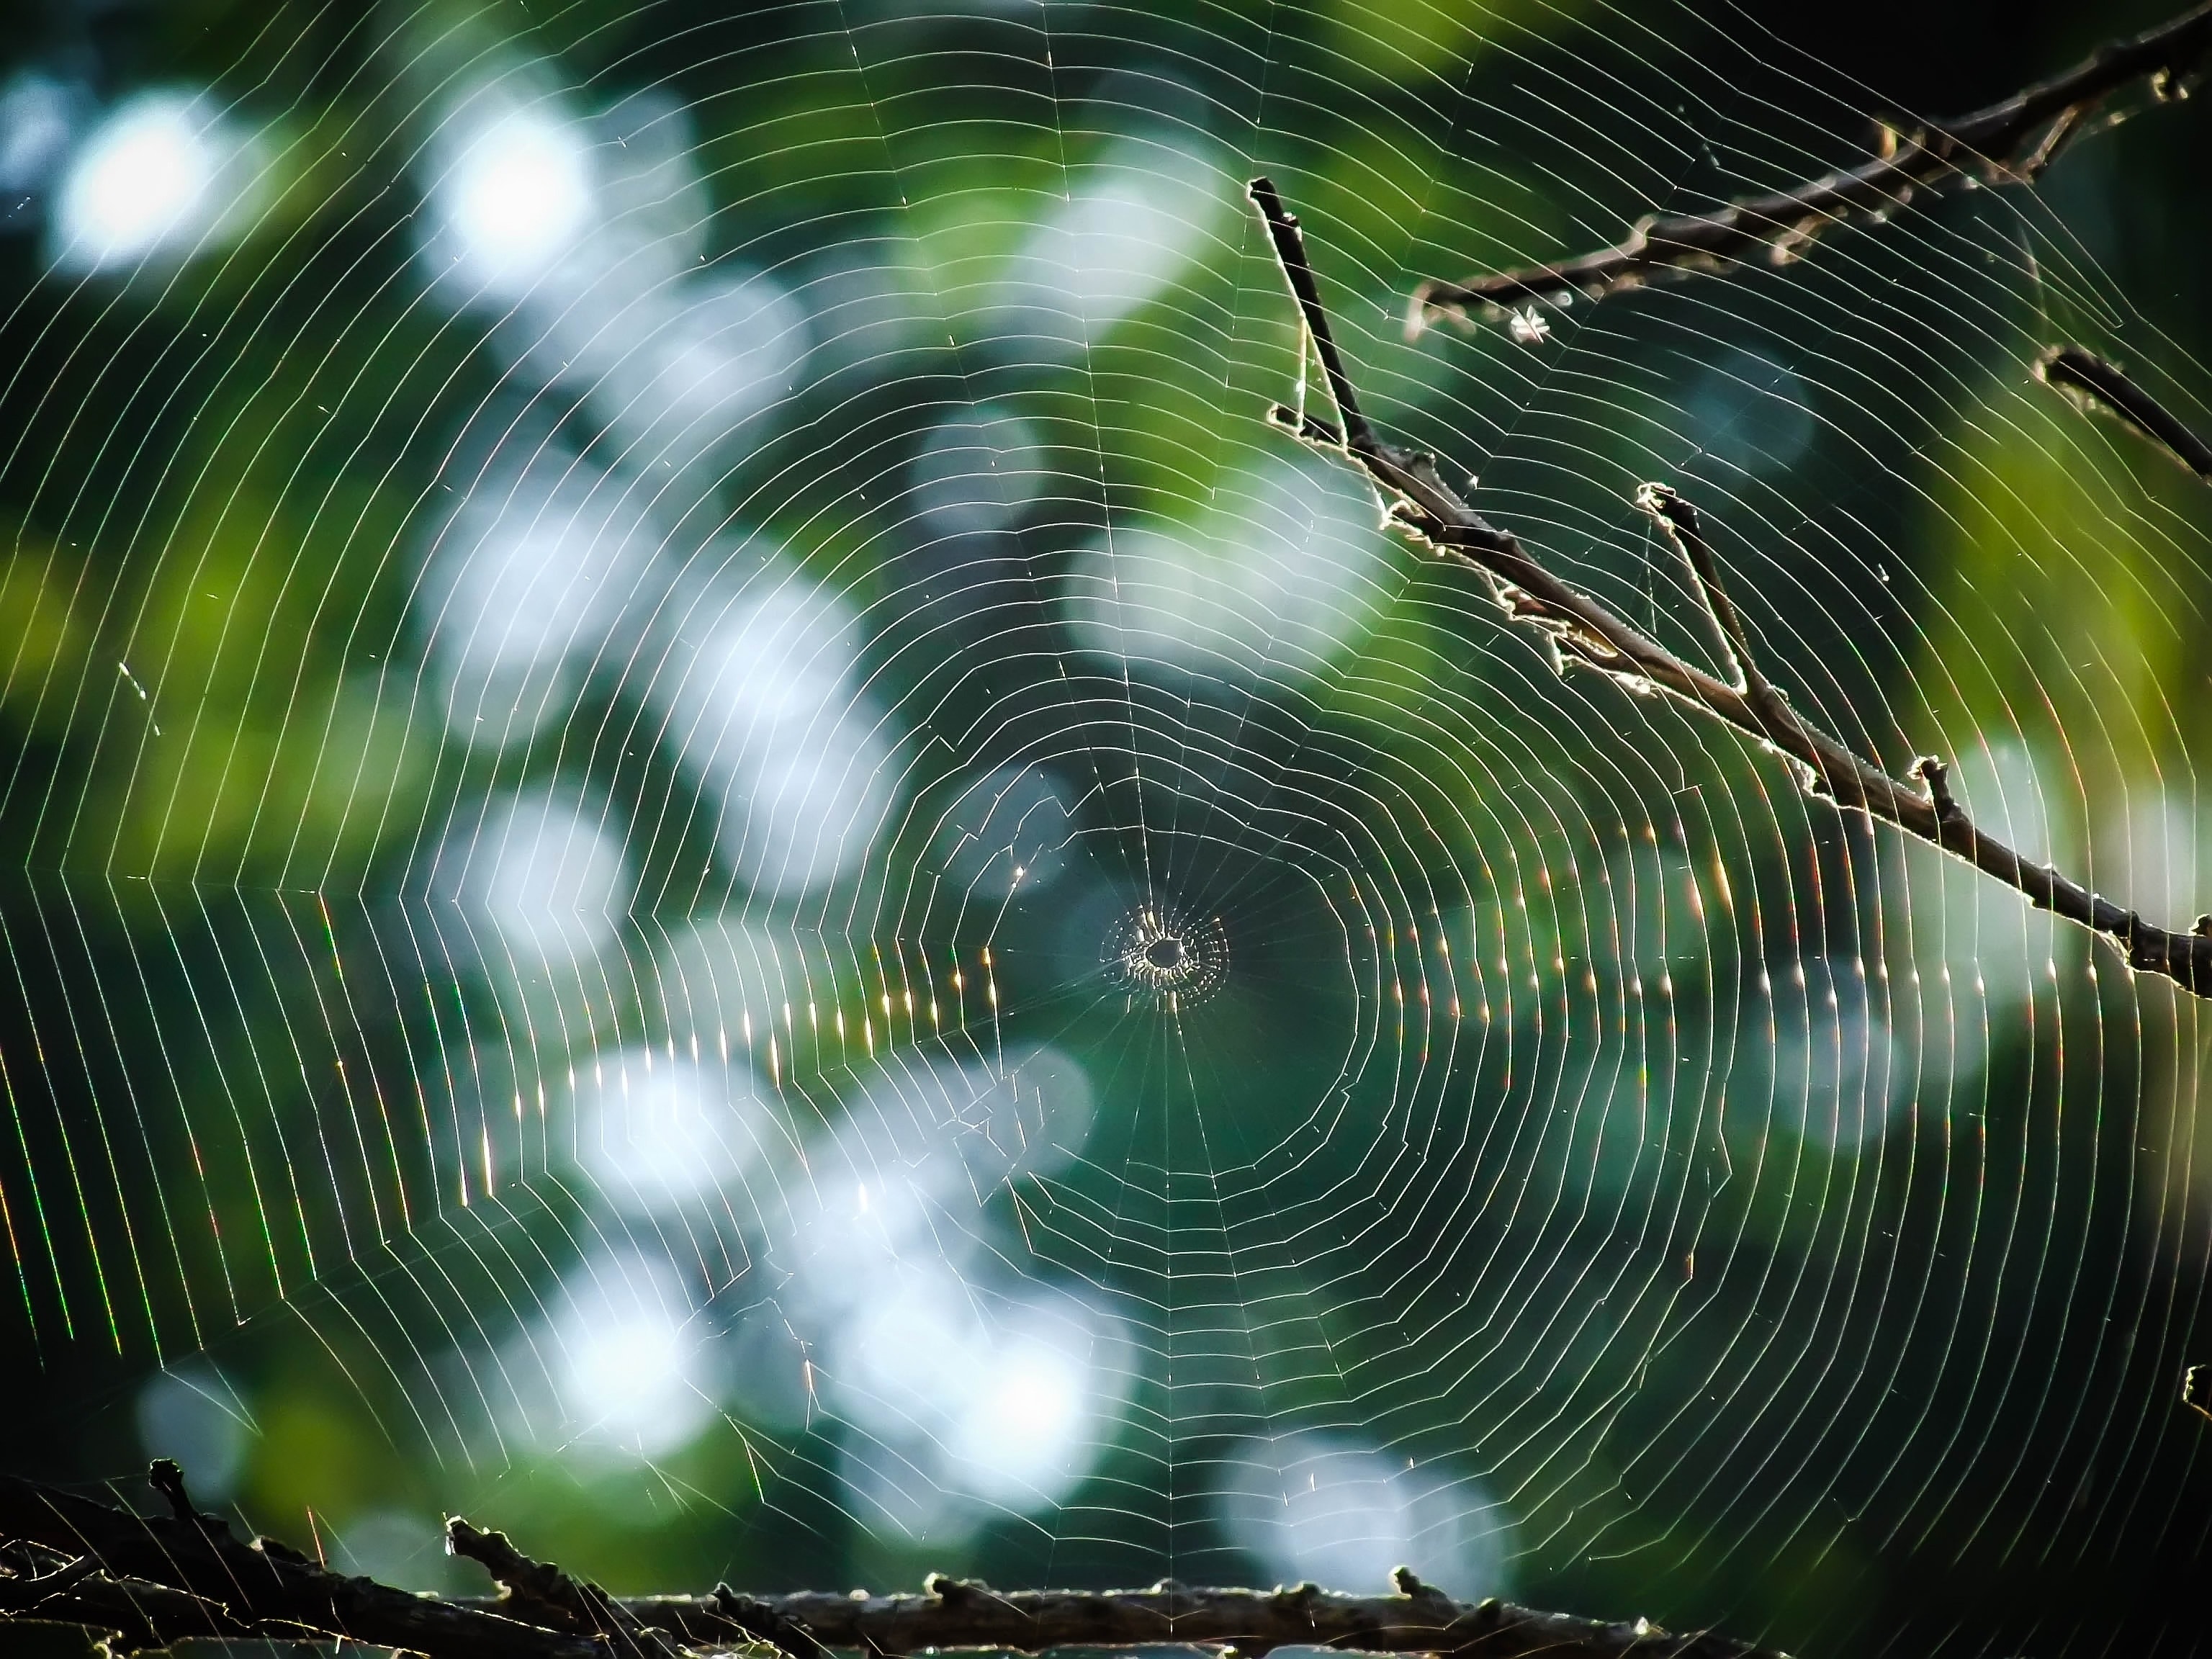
pixel 710 850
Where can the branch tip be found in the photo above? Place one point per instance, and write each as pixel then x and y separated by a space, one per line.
pixel 2010 141
pixel 1305 426
pixel 1937 777
pixel 1685 529
pixel 955 1592
pixel 2095 382
pixel 1665 502
pixel 168 1478
pixel 1289 242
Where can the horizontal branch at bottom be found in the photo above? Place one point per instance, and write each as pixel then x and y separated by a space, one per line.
pixel 154 1579
pixel 953 1613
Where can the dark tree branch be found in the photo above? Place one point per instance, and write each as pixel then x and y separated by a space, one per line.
pixel 1663 503
pixel 265 1586
pixel 153 1580
pixel 2097 381
pixel 1282 230
pixel 1586 633
pixel 32 1579
pixel 2011 142
pixel 766 1622
pixel 953 1613
pixel 38 1584
pixel 538 1593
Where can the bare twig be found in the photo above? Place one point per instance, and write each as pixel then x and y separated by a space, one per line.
pixel 769 1623
pixel 1585 633
pixel 154 1580
pixel 1663 503
pixel 28 1583
pixel 539 1592
pixel 132 1614
pixel 264 1586
pixel 2011 142
pixel 2100 382
pixel 954 1614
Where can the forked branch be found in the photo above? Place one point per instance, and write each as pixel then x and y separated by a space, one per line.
pixel 2011 142
pixel 1585 633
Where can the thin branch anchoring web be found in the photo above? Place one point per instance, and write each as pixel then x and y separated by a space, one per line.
pixel 1584 633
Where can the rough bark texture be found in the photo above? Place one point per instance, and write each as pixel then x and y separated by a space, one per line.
pixel 2102 384
pixel 153 1580
pixel 264 1586
pixel 1584 633
pixel 2011 142
pixel 954 1614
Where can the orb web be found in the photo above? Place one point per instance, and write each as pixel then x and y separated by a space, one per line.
pixel 1163 954
pixel 705 834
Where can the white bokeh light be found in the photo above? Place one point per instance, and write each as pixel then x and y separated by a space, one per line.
pixel 1028 1113
pixel 678 375
pixel 724 981
pixel 657 1132
pixel 1021 1433
pixel 1131 221
pixel 1840 1077
pixel 38 117
pixel 965 1398
pixel 1284 568
pixel 761 714
pixel 587 233
pixel 627 1358
pixel 541 876
pixel 159 175
pixel 512 191
pixel 884 1214
pixel 856 1214
pixel 901 1179
pixel 977 470
pixel 1317 1507
pixel 977 1403
pixel 548 566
